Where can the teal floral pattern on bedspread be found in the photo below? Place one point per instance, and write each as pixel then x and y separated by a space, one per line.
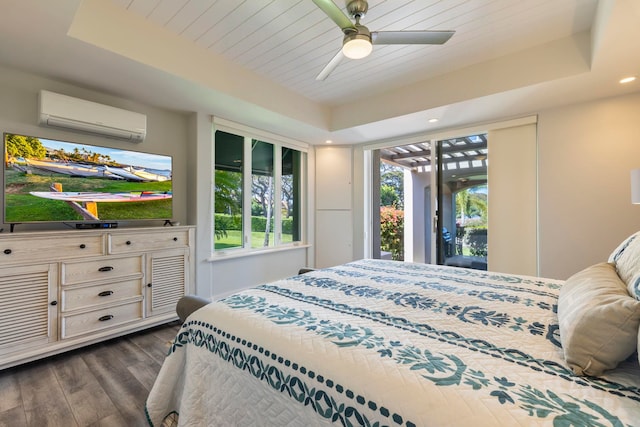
pixel 474 313
pixel 267 366
pixel 491 338
pixel 446 369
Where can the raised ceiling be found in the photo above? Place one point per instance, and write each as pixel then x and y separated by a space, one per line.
pixel 289 42
pixel 255 61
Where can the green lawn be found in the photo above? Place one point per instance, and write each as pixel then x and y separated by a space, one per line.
pixel 22 206
pixel 234 239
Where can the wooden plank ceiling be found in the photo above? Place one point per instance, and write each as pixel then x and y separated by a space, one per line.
pixel 290 41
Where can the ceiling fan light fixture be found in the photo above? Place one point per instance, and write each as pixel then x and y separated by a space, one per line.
pixel 357 46
pixel 358 41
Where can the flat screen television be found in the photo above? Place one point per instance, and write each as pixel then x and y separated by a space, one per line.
pixel 48 180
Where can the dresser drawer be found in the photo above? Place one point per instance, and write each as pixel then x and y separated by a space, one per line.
pixel 101 269
pixel 93 321
pixel 49 248
pixel 139 242
pixel 108 293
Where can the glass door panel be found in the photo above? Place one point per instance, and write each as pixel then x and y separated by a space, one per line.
pixel 387 209
pixel 446 191
pixel 462 202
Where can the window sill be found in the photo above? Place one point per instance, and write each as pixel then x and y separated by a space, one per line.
pixel 241 253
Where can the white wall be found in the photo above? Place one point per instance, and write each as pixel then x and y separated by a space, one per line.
pixel 586 153
pixel 359 203
pixel 200 203
pixel 234 274
pixel 415 184
pixel 187 138
pixel 166 130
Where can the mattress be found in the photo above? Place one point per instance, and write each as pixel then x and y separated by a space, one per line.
pixel 386 343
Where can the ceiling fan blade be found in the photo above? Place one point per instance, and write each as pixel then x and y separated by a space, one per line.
pixel 335 13
pixel 330 66
pixel 410 37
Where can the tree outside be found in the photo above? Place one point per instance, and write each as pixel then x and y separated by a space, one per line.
pixel 389 196
pixel 392 183
pixel 228 206
pixel 471 205
pixel 24 146
pixel 471 221
pixel 263 192
pixel 28 147
pixel 228 210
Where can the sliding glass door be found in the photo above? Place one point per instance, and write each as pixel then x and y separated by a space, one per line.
pixel 430 199
pixel 462 201
pixel 387 209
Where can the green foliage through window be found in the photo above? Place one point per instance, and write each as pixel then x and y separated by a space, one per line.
pixel 271 197
pixel 471 203
pixel 391 185
pixel 392 231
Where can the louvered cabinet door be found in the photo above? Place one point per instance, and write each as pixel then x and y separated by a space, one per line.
pixel 167 280
pixel 28 307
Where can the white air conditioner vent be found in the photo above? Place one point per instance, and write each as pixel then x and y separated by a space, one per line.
pixel 66 112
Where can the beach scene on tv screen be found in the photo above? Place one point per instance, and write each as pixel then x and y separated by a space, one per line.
pixel 48 180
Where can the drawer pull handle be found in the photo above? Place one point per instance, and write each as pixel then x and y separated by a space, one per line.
pixel 54 302
pixel 105 293
pixel 82 246
pixel 128 242
pixel 175 239
pixel 7 251
pixel 105 318
pixel 105 268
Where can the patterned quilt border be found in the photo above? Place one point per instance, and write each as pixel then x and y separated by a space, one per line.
pixel 239 353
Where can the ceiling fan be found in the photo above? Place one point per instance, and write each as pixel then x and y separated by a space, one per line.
pixel 358 40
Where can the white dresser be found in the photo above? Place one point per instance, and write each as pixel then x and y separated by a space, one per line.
pixel 65 289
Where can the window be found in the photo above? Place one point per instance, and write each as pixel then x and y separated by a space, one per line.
pixel 257 192
pixel 228 198
pixel 290 192
pixel 262 194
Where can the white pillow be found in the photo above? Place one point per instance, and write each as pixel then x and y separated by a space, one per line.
pixel 633 286
pixel 598 320
pixel 626 257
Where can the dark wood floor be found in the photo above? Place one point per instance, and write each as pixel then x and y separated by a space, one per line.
pixel 103 385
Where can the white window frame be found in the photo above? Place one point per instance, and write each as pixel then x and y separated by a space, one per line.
pixel 278 142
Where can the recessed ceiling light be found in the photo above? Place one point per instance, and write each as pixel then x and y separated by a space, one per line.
pixel 628 79
pixel 433 120
pixel 328 141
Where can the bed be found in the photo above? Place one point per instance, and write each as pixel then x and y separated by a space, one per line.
pixel 387 343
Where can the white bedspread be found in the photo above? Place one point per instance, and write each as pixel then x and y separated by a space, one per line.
pixel 384 343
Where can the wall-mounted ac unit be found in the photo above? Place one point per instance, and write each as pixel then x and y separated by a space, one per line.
pixel 66 112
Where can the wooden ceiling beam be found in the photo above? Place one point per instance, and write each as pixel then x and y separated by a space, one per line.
pixel 411 154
